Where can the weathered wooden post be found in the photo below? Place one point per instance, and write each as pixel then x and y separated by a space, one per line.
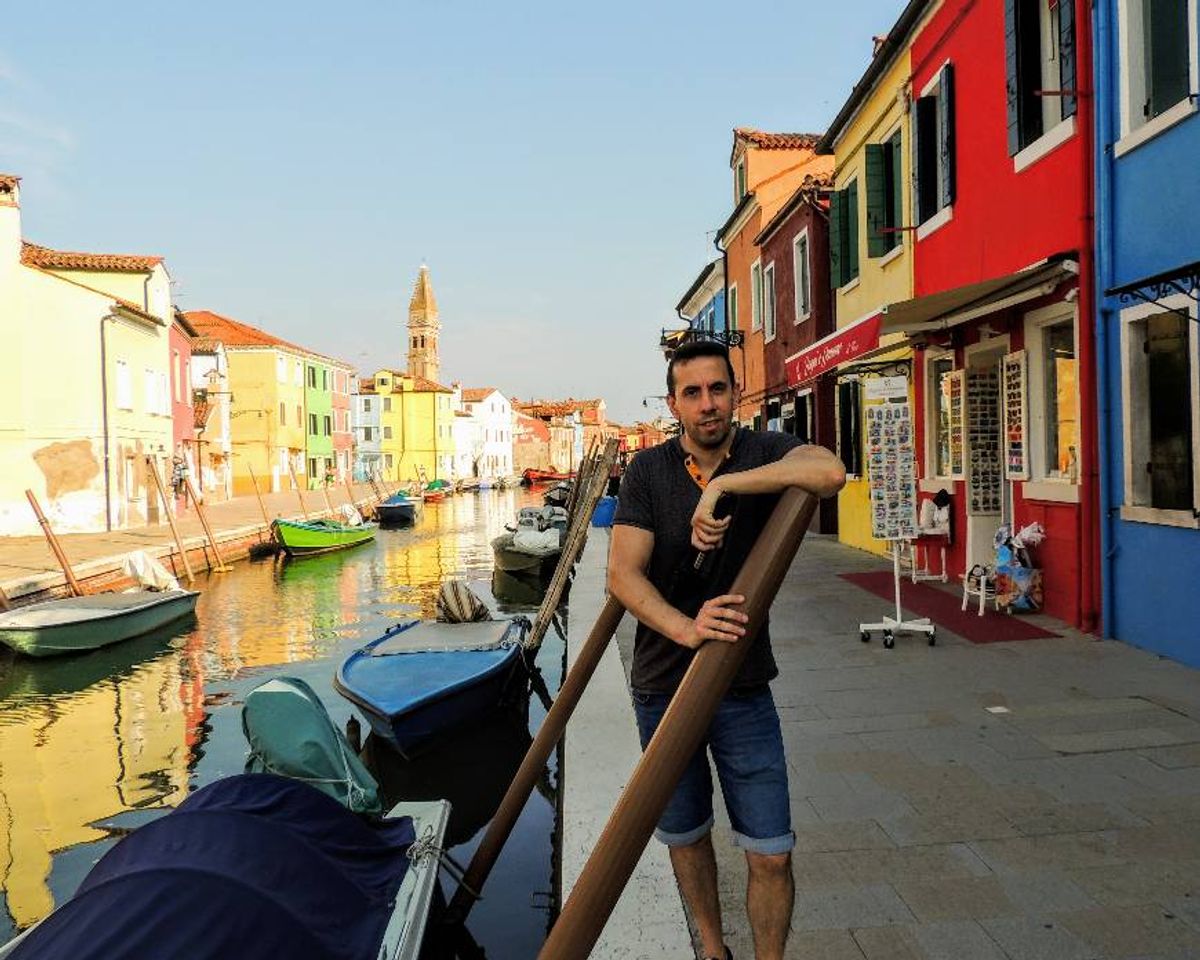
pixel 162 493
pixel 55 546
pixel 303 508
pixel 258 493
pixel 678 737
pixel 201 513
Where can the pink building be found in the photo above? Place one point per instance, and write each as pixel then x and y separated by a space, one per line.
pixel 343 432
pixel 183 414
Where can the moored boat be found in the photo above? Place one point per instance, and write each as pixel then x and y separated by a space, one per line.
pixel 423 678
pixel 77 624
pixel 398 509
pixel 301 538
pixel 532 477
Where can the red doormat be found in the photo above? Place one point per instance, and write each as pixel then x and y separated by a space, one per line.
pixel 945 609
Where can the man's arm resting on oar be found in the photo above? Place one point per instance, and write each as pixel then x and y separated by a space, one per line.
pixel 628 558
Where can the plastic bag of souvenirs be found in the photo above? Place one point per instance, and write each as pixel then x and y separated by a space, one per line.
pixel 1018 588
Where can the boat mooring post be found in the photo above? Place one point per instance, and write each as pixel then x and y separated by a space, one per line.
pixel 55 547
pixel 299 493
pixel 212 541
pixel 679 735
pixel 328 500
pixel 258 493
pixel 5 603
pixel 350 493
pixel 162 493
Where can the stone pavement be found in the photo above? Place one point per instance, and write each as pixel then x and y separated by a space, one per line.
pixel 27 565
pixel 1033 800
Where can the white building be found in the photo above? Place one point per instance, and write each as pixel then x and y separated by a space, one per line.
pixel 211 400
pixel 368 458
pixel 492 410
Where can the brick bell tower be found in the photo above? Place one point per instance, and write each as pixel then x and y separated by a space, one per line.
pixel 423 328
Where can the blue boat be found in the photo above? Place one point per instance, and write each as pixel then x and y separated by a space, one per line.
pixel 422 678
pixel 398 509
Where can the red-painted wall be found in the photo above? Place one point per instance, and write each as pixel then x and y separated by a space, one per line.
pixel 183 417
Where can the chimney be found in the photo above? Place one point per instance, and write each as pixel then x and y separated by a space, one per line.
pixel 876 43
pixel 10 222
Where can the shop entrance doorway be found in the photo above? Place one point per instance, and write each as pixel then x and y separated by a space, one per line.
pixel 988 499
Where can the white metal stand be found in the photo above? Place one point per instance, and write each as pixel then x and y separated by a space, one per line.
pixel 890 626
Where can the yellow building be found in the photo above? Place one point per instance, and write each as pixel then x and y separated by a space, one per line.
pixel 86 393
pixel 416 425
pixel 870 247
pixel 267 420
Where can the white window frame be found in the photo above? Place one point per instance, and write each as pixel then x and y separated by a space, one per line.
pixel 741 183
pixel 756 296
pixel 731 308
pixel 802 276
pixel 124 385
pixel 1044 484
pixel 150 391
pixel 1132 432
pixel 299 374
pixel 281 368
pixel 1132 77
pixel 933 354
pixel 770 320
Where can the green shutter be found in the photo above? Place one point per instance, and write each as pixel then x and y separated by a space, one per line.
pixel 945 118
pixel 877 243
pixel 837 200
pixel 897 190
pixel 1011 85
pixel 851 249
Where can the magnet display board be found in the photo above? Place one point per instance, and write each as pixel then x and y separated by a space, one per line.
pixel 891 470
pixel 984 467
pixel 1016 434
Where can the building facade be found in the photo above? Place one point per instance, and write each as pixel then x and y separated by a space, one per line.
pixel 416 418
pixel 368 457
pixel 494 413
pixel 342 381
pixel 211 404
pixel 318 424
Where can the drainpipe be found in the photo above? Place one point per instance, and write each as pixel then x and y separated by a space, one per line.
pixel 725 270
pixel 1102 32
pixel 1089 459
pixel 104 422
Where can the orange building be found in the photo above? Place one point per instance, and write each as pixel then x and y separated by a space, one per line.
pixel 767 169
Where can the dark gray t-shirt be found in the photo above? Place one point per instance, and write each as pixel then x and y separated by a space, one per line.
pixel 658 494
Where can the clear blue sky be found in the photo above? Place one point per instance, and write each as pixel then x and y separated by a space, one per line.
pixel 560 167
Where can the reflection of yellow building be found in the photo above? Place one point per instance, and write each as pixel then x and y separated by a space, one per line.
pixel 80 758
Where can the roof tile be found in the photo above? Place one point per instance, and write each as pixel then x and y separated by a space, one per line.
pixel 33 255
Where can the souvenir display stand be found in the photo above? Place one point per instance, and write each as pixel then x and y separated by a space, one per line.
pixel 892 479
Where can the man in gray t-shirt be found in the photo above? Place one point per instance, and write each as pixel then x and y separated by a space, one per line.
pixel 664 515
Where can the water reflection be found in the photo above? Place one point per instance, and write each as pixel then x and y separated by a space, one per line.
pixel 138 725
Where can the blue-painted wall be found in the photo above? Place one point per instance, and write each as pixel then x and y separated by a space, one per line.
pixel 1148 222
pixel 711 315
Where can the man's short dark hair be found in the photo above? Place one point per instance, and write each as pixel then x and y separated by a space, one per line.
pixel 698 348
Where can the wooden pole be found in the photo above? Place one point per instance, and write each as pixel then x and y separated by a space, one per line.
pixel 162 493
pixel 5 603
pixel 258 493
pixel 328 500
pixel 303 508
pixel 202 514
pixel 55 546
pixel 678 736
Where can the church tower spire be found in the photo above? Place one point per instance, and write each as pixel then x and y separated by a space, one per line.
pixel 423 327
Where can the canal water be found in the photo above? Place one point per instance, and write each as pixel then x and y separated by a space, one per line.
pixel 92 746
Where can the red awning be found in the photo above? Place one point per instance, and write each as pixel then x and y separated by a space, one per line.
pixel 839 347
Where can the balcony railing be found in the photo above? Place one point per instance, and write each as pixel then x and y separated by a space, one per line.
pixel 672 340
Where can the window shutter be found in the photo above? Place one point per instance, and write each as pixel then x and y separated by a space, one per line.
pixel 851 250
pixel 836 215
pixel 945 115
pixel 876 241
pixel 1066 51
pixel 897 190
pixel 1011 77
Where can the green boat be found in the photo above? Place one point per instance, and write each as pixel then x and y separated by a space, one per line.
pixel 77 624
pixel 307 537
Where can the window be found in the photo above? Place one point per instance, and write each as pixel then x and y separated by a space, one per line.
pixel 387 460
pixel 769 302
pixel 367 437
pixel 802 272
pixel 178 370
pixel 756 296
pixel 284 463
pixel 387 433
pixel 299 374
pixel 733 307
pixel 739 180
pixel 367 405
pixel 933 147
pixel 1162 433
pixel 328 425
pixel 150 382
pixel 281 369
pixel 312 424
pixel 885 195
pixel 938 407
pixel 283 414
pixel 843 236
pixel 312 377
pixel 1158 57
pixel 312 466
pixel 124 386
pixel 299 416
pixel 387 404
pixel 849 434
pixel 324 379
pixel 1040 67
pixel 1060 380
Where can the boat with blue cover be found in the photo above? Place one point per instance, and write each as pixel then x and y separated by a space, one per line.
pixel 422 678
pixel 398 509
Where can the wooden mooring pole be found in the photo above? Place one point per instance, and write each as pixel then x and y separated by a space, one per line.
pixel 55 546
pixel 202 514
pixel 303 508
pixel 258 493
pixel 162 494
pixel 679 735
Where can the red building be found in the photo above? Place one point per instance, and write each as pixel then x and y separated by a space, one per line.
pixel 794 249
pixel 183 415
pixel 1004 377
pixel 343 432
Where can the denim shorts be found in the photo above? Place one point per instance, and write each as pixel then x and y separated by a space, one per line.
pixel 747 749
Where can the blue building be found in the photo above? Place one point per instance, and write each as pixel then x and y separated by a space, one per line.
pixel 1148 284
pixel 703 305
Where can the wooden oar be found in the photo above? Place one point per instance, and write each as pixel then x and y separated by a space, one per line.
pixel 56 547
pixel 162 493
pixel 212 541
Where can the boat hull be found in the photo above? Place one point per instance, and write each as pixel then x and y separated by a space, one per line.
pixel 111 618
pixel 524 564
pixel 308 539
pixel 397 514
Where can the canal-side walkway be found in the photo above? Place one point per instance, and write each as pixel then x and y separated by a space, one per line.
pixel 28 567
pixel 1030 800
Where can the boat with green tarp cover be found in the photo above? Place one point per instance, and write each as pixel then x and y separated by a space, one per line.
pixel 302 538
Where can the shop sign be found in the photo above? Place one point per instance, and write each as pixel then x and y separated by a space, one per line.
pixel 886 388
pixel 839 347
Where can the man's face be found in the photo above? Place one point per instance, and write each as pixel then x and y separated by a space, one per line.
pixel 703 400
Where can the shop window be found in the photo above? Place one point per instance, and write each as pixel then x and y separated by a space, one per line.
pixel 933 147
pixel 843 236
pixel 849 434
pixel 1040 67
pixel 938 407
pixel 1158 50
pixel 802 272
pixel 756 296
pixel 884 193
pixel 1160 349
pixel 769 302
pixel 1061 397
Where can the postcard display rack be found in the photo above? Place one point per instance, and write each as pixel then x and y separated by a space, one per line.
pixel 892 481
